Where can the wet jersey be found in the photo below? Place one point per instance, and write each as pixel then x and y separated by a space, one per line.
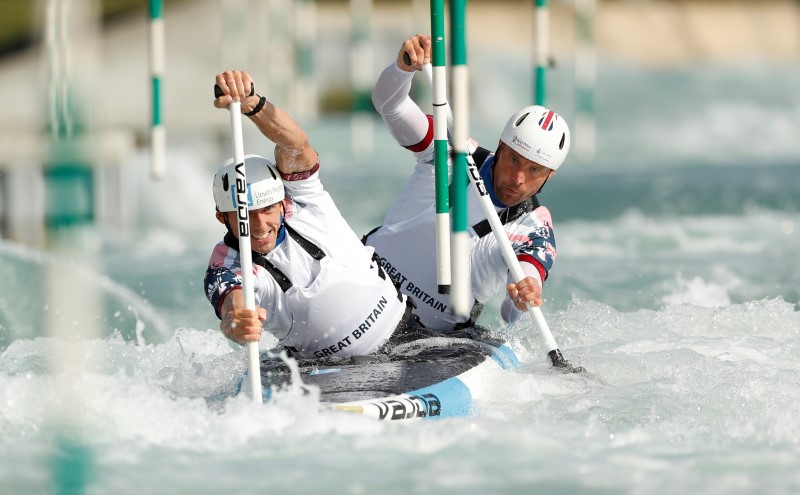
pixel 337 302
pixel 406 242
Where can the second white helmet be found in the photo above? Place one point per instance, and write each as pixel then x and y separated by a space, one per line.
pixel 538 134
pixel 264 184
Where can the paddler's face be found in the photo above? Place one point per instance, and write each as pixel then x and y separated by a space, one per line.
pixel 265 224
pixel 515 177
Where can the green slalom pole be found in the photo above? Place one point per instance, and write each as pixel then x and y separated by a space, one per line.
pixel 440 147
pixel 158 140
pixel 542 21
pixel 460 291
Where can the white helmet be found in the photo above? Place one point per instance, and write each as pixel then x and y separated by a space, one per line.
pixel 538 134
pixel 264 184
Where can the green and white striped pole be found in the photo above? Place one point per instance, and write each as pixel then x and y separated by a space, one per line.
pixel 362 128
pixel 585 78
pixel 71 304
pixel 305 19
pixel 441 178
pixel 158 139
pixel 459 243
pixel 280 81
pixel 542 51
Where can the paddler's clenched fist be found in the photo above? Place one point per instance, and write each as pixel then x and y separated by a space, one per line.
pixel 526 291
pixel 240 324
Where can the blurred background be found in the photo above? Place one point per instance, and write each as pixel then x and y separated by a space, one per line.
pixel 677 217
pixel 635 79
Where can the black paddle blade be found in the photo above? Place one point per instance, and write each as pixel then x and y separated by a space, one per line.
pixel 562 364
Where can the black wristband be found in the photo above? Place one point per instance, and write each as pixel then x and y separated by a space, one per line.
pixel 261 102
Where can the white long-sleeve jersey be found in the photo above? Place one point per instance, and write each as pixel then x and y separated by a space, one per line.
pixel 339 303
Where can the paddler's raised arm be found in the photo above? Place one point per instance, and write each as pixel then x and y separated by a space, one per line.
pixel 293 152
pixel 406 121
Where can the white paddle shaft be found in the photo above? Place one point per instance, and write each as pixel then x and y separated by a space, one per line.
pixel 245 254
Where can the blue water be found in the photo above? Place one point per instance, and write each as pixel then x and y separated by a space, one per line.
pixel 676 286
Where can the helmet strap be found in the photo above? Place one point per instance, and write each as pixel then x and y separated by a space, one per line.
pixel 542 186
pixel 227 224
pixel 543 183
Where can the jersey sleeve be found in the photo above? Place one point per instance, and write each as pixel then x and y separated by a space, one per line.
pixel 219 282
pixel 223 275
pixel 308 198
pixel 533 242
pixel 305 191
pixel 508 311
pixel 407 123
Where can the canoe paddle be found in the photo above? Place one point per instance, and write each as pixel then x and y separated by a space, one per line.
pixel 243 226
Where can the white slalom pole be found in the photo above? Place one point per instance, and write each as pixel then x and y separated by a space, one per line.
pixel 508 252
pixel 427 69
pixel 245 254
pixel 460 292
pixel 442 121
pixel 438 79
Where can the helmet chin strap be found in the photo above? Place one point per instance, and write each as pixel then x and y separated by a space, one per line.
pixel 542 186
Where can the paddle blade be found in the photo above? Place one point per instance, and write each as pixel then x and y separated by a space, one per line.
pixel 562 364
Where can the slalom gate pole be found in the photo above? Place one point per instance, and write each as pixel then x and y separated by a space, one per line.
pixel 542 30
pixel 362 138
pixel 71 301
pixel 305 34
pixel 440 124
pixel 158 140
pixel 585 78
pixel 460 290
pixel 245 254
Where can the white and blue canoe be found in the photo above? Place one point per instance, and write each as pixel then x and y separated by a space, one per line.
pixel 432 378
